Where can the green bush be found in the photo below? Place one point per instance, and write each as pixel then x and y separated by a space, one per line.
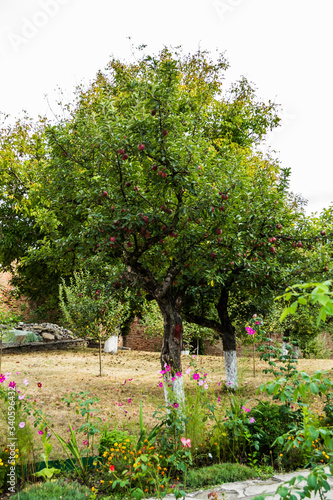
pixel 109 438
pixel 272 421
pixel 53 491
pixel 218 474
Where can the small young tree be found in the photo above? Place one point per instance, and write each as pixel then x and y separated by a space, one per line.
pixel 90 308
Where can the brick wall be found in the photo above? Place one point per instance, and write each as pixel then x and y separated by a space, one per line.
pixel 22 306
pixel 138 341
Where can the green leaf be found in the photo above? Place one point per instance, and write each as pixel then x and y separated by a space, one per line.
pixel 282 491
pixel 314 388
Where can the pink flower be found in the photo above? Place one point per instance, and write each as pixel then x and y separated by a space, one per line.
pixel 252 420
pixel 85 443
pixel 188 371
pixel 21 396
pixel 206 386
pixel 129 400
pixel 175 405
pixel 12 384
pixel 162 372
pixel 218 400
pixel 179 374
pixel 200 382
pixel 2 378
pixel 40 433
pixel 168 368
pixel 258 323
pixel 250 330
pixel 160 384
pixel 247 410
pixel 186 443
pixel 21 425
pixel 196 376
pixel 173 379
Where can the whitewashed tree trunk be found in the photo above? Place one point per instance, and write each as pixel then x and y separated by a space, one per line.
pixel 174 391
pixel 111 344
pixel 294 350
pixel 230 363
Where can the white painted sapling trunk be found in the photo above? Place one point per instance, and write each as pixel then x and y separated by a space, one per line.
pixel 111 344
pixel 230 363
pixel 174 391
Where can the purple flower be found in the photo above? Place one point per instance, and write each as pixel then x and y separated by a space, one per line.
pixel 12 384
pixel 175 405
pixel 196 376
pixel 252 420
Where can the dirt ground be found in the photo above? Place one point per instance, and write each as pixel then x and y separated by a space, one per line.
pixel 128 378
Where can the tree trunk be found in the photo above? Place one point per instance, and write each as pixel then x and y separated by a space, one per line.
pixel 228 340
pixel 171 351
pixel 111 344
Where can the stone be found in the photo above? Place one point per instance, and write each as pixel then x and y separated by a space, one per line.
pixel 47 336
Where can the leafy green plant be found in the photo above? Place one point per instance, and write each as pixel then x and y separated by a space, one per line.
pixel 109 438
pixel 52 490
pixel 320 295
pixel 281 360
pixel 218 474
pixel 48 472
pixel 91 308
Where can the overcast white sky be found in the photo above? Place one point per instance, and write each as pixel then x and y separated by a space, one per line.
pixel 283 46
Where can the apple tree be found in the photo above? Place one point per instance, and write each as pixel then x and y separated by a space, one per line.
pixel 153 162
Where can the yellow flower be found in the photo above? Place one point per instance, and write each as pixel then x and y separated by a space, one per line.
pixel 102 481
pixel 92 489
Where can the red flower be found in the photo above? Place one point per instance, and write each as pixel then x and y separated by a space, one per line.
pixel 111 468
pixel 39 384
